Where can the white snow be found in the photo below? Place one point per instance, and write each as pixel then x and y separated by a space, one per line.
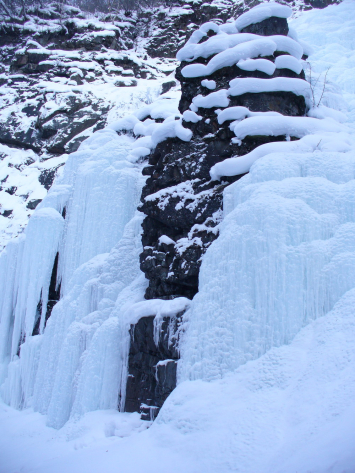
pixel 286 61
pixel 159 307
pixel 190 116
pixel 289 126
pixel 164 239
pixel 214 45
pixel 325 112
pixel 209 84
pixel 162 108
pixel 239 113
pixel 340 142
pixel 277 84
pixel 261 12
pixel 254 48
pixel 263 65
pixel 292 410
pixel 171 128
pixel 214 99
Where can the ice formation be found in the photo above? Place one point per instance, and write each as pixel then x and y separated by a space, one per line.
pixel 285 256
pixel 287 236
pixel 98 241
pixel 288 227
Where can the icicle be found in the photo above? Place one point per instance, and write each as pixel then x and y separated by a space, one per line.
pixel 285 256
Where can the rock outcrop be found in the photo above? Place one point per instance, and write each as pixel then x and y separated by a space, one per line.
pixel 53 60
pixel 182 204
pixel 152 364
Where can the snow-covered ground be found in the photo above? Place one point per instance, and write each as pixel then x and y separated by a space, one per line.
pixel 289 408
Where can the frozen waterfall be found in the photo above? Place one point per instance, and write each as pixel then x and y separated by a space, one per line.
pixel 74 366
pixel 285 256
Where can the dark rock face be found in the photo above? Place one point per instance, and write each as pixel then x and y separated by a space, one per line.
pixel 170 32
pixel 54 132
pixel 32 204
pixel 152 365
pixel 183 208
pixel 179 199
pixel 271 26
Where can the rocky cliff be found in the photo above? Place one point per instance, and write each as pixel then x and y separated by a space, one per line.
pixel 182 204
pixel 65 77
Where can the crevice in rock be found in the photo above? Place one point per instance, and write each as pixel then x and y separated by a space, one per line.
pixel 53 298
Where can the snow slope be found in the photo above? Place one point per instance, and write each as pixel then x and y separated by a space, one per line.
pixel 290 407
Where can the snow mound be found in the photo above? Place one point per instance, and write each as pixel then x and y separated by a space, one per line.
pixel 242 86
pixel 289 126
pixel 262 12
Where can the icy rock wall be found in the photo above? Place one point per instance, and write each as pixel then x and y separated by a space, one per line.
pixel 55 371
pixel 285 252
pixel 285 256
pixel 181 202
pixel 78 361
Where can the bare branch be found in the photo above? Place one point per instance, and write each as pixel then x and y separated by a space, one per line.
pixel 324 85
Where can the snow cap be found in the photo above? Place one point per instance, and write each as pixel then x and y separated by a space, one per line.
pixel 262 12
